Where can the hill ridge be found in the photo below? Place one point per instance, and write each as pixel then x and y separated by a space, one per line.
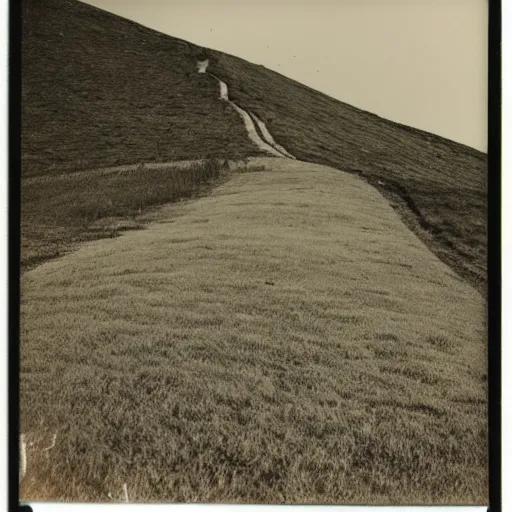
pixel 196 48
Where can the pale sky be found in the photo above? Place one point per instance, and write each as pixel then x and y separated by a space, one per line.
pixel 419 62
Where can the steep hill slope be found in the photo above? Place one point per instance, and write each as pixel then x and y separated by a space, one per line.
pixel 439 186
pixel 286 340
pixel 100 90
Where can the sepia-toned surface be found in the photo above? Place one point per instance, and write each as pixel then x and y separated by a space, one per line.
pixel 101 91
pixel 286 339
pixel 200 322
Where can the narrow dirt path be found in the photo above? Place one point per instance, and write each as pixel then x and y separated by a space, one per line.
pixel 112 170
pixel 268 136
pixel 248 122
pixel 268 145
pixel 253 134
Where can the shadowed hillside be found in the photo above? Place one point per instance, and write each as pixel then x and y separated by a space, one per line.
pixel 99 90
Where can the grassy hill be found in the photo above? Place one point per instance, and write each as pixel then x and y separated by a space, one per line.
pixel 439 186
pixel 267 343
pixel 276 333
pixel 99 90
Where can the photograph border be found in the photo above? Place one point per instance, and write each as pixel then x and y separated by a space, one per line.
pixel 494 251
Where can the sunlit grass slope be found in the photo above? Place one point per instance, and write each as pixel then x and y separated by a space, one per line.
pixel 285 339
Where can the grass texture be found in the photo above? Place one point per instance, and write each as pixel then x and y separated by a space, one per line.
pixel 61 211
pixel 285 339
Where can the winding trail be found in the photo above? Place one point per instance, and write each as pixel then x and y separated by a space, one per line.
pixel 253 134
pixel 268 136
pixel 269 145
pixel 248 122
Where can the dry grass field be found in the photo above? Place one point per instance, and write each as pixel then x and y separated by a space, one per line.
pixel 285 339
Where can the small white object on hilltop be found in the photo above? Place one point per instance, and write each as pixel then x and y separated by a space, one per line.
pixel 202 65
